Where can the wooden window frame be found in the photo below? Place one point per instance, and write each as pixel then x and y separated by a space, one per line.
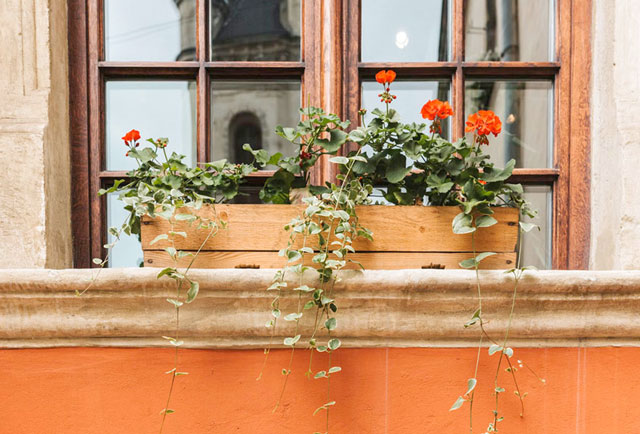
pixel 570 73
pixel 88 73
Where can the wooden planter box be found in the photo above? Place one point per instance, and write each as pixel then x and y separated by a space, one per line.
pixel 421 238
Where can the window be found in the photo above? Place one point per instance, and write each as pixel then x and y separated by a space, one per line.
pixel 212 74
pixel 516 57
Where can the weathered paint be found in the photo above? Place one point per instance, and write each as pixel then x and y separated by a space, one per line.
pixel 107 390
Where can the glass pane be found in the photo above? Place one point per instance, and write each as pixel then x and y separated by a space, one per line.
pixel 405 31
pixel 253 30
pixel 156 109
pixel 248 112
pixel 536 244
pixel 128 251
pixel 150 30
pixel 525 108
pixel 411 96
pixel 508 30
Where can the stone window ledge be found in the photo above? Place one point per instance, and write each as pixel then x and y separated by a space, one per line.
pixel 405 308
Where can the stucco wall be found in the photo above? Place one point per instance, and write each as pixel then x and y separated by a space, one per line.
pixel 35 227
pixel 615 137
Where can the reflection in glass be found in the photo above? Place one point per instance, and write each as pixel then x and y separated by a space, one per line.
pixel 405 31
pixel 254 30
pixel 525 108
pixel 248 112
pixel 508 30
pixel 536 244
pixel 412 95
pixel 150 30
pixel 127 252
pixel 156 109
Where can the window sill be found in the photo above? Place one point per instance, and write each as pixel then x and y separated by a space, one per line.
pixel 403 308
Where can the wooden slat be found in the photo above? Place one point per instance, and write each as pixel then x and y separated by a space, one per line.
pixel 511 69
pixel 370 261
pixel 395 229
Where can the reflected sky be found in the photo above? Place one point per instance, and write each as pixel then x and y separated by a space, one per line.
pixel 404 31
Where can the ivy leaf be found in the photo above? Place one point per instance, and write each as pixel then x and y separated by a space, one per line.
pixel 291 341
pixel 472 262
pixel 484 221
pixel 192 292
pixel 528 227
pixel 462 224
pixel 339 160
pixel 494 349
pixel 335 369
pixel 456 405
pixel 334 344
pixel 331 323
pixel 397 168
pixel 471 384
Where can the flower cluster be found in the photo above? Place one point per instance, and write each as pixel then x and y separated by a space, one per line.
pixel 483 123
pixel 385 78
pixel 131 140
pixel 436 110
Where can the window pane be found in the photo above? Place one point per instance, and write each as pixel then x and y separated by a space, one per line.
pixel 405 31
pixel 411 96
pixel 536 245
pixel 128 251
pixel 508 30
pixel 248 112
pixel 253 30
pixel 156 109
pixel 151 30
pixel 525 108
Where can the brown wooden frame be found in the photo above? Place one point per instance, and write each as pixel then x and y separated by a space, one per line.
pixel 570 72
pixel 570 175
pixel 87 75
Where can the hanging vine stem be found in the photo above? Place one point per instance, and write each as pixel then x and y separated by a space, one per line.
pixel 192 293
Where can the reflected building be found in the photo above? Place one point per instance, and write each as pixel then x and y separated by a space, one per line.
pixel 247 111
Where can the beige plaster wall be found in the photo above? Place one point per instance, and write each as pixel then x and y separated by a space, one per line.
pixel 615 140
pixel 35 213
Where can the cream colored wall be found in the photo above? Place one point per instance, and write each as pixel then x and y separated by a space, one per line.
pixel 35 220
pixel 615 135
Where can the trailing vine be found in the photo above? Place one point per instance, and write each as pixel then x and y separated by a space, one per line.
pixel 327 226
pixel 163 186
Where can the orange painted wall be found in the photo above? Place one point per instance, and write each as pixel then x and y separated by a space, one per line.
pixel 102 391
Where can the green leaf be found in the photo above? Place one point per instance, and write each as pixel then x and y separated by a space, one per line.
pixel 397 168
pixel 509 352
pixel 528 227
pixel 320 374
pixel 97 261
pixel 291 341
pixel 474 319
pixel 339 160
pixel 158 238
pixel 335 369
pixel 471 263
pixel 471 384
pixel 324 407
pixel 334 344
pixel 456 405
pixel 484 221
pixel 494 349
pixel 331 323
pixel 176 303
pixel 293 316
pixel 166 271
pixel 499 389
pixel 462 224
pixel 293 255
pixel 500 175
pixel 192 292
pixel 337 138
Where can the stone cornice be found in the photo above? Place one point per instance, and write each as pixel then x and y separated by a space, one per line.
pixel 128 307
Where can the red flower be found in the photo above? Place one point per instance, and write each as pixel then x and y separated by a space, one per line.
pixel 484 122
pixel 131 137
pixel 387 77
pixel 436 109
pixel 482 182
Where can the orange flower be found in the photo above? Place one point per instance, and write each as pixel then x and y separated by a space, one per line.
pixel 131 137
pixel 484 122
pixel 436 109
pixel 387 77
